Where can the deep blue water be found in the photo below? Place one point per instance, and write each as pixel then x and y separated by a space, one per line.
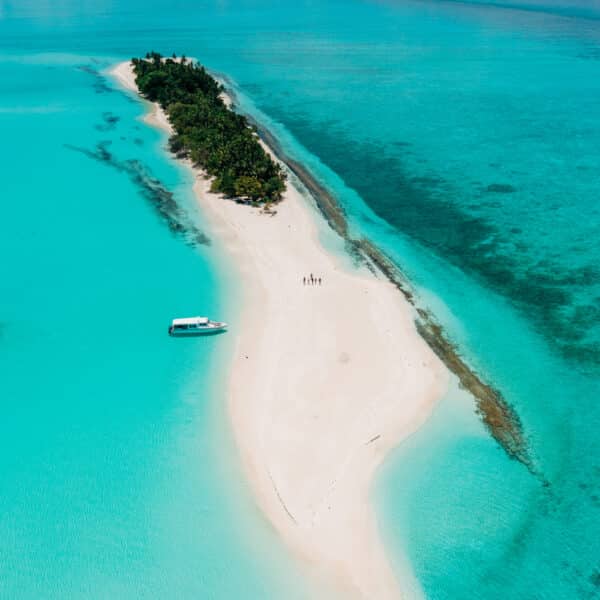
pixel 463 137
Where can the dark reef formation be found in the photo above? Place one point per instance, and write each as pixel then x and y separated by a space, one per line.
pixel 109 122
pixel 501 188
pixel 100 84
pixel 161 199
pixel 499 417
pixel 561 298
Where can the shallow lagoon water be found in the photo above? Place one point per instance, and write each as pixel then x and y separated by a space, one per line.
pixel 118 475
pixel 461 137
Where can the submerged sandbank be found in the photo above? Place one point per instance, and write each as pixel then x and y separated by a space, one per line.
pixel 325 381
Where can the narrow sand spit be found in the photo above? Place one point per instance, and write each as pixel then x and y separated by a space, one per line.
pixel 325 381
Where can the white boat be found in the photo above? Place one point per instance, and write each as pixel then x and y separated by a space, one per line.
pixel 196 326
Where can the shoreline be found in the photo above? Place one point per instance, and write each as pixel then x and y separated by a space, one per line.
pixel 497 415
pixel 325 381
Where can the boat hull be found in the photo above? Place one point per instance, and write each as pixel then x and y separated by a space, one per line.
pixel 197 331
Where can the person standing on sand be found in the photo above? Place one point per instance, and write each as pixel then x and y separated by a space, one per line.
pixel 319 281
pixel 304 281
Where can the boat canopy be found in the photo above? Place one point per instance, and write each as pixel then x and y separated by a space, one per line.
pixel 191 321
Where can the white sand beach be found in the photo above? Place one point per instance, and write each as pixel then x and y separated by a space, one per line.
pixel 325 381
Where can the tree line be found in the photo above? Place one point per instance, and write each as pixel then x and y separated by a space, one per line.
pixel 214 137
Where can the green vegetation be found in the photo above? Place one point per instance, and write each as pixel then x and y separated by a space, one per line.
pixel 214 137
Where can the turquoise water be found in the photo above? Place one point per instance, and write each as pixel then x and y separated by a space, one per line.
pixel 118 475
pixel 463 137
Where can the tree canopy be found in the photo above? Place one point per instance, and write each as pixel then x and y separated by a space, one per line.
pixel 213 136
